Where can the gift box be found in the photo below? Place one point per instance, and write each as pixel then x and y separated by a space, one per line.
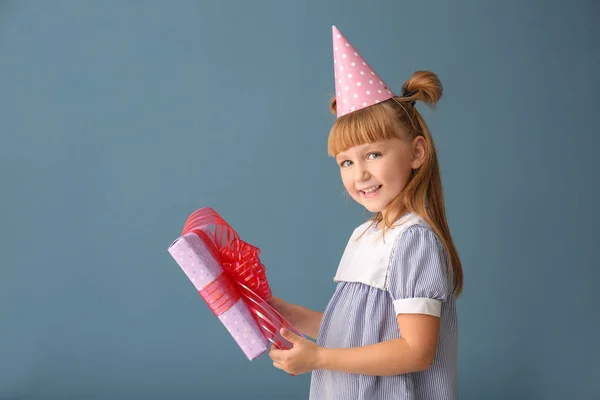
pixel 197 262
pixel 228 275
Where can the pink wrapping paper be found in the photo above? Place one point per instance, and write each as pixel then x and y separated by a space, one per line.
pixel 201 268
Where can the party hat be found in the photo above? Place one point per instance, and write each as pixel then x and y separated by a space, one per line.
pixel 357 85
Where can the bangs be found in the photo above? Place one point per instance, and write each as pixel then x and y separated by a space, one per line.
pixel 367 125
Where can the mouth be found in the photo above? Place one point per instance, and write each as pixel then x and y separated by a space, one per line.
pixel 370 191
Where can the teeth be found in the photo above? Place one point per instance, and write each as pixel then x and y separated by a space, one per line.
pixel 371 189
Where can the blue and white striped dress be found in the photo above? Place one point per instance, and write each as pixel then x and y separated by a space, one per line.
pixel 377 279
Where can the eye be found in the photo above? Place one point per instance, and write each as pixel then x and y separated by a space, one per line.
pixel 373 155
pixel 345 163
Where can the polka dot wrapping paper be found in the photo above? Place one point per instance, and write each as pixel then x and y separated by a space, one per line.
pixel 228 275
pixel 197 262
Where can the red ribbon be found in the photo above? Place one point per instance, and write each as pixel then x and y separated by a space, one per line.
pixel 243 275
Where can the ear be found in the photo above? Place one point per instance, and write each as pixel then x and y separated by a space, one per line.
pixel 419 152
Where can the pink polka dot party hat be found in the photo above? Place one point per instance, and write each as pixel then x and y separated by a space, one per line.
pixel 357 85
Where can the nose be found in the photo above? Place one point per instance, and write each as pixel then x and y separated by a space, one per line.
pixel 360 172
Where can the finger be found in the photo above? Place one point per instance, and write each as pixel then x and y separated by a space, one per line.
pixel 291 336
pixel 278 365
pixel 276 355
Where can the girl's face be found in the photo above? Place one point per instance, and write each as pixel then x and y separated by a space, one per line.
pixel 374 174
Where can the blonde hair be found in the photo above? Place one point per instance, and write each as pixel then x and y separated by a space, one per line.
pixel 399 118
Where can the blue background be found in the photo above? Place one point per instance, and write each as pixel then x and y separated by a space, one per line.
pixel 120 118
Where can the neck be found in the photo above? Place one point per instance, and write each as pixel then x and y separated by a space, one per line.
pixel 388 212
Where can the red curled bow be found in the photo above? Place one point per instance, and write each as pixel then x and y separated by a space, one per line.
pixel 243 275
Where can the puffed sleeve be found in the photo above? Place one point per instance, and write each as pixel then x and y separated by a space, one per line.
pixel 418 275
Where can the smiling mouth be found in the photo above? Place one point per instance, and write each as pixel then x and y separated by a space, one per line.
pixel 370 192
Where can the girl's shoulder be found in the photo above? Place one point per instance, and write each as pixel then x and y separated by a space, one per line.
pixel 415 230
pixel 369 255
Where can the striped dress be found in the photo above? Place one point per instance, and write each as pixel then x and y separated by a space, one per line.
pixel 378 278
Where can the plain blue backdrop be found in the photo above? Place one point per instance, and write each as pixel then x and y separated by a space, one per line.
pixel 120 118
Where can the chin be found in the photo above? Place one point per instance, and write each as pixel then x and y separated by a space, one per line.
pixel 374 209
pixel 371 206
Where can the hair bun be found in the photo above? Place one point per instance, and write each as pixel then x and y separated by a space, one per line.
pixel 423 86
pixel 333 106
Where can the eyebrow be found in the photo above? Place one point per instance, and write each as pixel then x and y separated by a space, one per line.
pixel 368 148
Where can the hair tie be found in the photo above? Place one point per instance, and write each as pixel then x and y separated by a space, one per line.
pixel 410 94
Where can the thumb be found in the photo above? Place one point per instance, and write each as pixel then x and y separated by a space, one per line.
pixel 289 335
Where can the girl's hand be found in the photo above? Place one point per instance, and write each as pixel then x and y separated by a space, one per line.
pixel 305 320
pixel 302 358
pixel 278 303
pixel 282 307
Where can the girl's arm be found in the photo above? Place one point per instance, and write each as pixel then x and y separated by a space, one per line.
pixel 415 351
pixel 305 320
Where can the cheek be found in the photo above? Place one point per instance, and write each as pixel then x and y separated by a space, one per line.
pixel 398 176
pixel 348 184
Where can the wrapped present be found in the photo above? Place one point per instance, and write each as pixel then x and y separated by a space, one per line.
pixel 229 276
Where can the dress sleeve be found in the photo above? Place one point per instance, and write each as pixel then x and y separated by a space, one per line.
pixel 418 275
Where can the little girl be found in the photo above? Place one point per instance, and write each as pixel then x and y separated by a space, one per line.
pixel 390 331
